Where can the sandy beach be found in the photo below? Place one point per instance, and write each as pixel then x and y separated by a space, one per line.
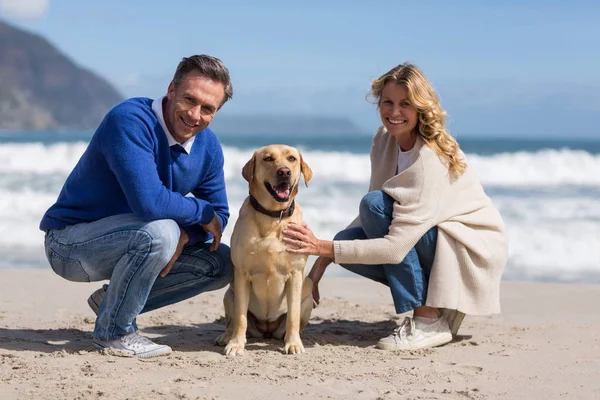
pixel 545 344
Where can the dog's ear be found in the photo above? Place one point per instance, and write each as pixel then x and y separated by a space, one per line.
pixel 306 171
pixel 248 170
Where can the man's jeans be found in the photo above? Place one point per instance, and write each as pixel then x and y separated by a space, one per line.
pixel 407 280
pixel 131 254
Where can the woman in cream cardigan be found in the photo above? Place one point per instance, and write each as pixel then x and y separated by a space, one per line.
pixel 426 228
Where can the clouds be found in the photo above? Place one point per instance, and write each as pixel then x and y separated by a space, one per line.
pixel 23 9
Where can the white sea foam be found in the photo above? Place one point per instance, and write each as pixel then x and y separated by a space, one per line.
pixel 545 167
pixel 547 198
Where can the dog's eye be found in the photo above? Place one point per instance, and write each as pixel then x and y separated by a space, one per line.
pixel 268 159
pixel 291 158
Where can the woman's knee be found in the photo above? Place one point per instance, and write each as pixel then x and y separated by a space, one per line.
pixel 376 210
pixel 342 235
pixel 350 234
pixel 376 203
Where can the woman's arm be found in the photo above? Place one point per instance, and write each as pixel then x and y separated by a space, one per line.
pixel 305 242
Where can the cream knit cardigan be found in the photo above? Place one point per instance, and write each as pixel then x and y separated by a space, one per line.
pixel 471 249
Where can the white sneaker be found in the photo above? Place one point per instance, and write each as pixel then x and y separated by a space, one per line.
pixel 454 318
pixel 95 299
pixel 412 336
pixel 136 345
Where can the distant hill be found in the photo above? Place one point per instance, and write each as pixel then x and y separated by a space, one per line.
pixel 283 124
pixel 40 88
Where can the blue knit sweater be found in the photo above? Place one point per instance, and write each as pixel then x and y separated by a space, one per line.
pixel 128 167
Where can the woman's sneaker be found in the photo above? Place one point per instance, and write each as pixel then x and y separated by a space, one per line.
pixel 412 336
pixel 136 345
pixel 454 318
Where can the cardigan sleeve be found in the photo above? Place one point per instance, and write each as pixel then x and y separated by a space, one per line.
pixel 417 193
pixel 372 185
pixel 212 190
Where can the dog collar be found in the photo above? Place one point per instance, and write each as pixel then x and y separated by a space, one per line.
pixel 285 213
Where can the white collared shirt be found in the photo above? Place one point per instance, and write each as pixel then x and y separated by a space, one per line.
pixel 158 110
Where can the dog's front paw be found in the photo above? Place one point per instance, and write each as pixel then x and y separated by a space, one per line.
pixel 293 345
pixel 235 347
pixel 223 338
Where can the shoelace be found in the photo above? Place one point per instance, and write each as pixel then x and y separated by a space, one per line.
pixel 136 339
pixel 405 329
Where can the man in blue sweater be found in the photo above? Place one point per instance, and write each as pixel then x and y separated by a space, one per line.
pixel 125 214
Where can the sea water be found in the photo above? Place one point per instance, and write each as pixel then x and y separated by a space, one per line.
pixel 548 192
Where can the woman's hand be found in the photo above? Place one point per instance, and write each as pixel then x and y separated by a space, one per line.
pixel 303 241
pixel 315 274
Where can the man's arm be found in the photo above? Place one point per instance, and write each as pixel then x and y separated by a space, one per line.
pixel 128 147
pixel 212 190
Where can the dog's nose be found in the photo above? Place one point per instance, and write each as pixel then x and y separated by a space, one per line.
pixel 284 172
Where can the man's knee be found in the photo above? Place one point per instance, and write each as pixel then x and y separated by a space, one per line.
pixel 216 264
pixel 224 253
pixel 161 237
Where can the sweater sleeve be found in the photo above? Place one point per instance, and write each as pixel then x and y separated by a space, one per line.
pixel 213 191
pixel 128 146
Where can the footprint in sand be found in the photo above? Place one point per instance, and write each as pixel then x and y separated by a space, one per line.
pixel 473 368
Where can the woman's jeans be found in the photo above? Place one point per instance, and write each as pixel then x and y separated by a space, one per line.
pixel 131 253
pixel 407 280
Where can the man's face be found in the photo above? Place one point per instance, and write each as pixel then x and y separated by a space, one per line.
pixel 192 105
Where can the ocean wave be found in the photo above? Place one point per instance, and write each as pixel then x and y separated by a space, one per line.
pixel 547 198
pixel 540 168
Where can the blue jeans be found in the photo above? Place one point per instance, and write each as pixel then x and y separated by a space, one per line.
pixel 408 280
pixel 131 253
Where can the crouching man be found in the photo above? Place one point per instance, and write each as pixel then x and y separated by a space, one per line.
pixel 123 214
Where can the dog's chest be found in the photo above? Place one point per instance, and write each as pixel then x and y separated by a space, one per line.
pixel 270 257
pixel 265 256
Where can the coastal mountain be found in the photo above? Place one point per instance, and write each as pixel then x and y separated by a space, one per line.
pixel 40 88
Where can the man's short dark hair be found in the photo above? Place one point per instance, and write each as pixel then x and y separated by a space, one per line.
pixel 209 66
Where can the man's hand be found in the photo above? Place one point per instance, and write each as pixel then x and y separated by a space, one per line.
pixel 315 274
pixel 184 238
pixel 214 227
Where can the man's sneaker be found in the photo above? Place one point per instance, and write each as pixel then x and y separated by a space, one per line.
pixel 411 336
pixel 136 345
pixel 95 299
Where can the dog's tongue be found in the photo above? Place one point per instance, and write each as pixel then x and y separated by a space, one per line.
pixel 282 190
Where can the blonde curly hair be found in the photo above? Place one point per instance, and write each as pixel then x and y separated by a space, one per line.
pixel 431 116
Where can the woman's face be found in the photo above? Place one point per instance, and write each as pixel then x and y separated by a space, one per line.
pixel 397 114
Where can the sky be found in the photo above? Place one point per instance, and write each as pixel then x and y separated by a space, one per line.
pixel 501 68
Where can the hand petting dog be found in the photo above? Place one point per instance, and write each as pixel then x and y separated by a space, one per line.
pixel 305 242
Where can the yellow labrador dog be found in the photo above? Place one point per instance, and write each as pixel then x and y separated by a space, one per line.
pixel 269 296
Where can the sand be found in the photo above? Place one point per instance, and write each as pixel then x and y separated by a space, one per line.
pixel 545 344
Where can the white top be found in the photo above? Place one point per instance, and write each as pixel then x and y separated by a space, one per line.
pixel 406 159
pixel 158 110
